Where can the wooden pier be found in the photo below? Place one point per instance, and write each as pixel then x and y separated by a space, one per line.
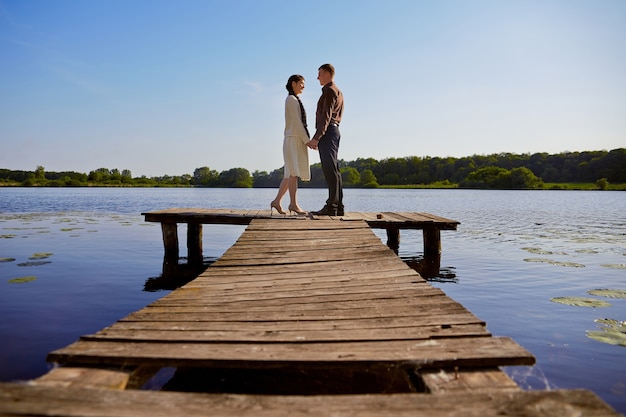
pixel 392 222
pixel 298 318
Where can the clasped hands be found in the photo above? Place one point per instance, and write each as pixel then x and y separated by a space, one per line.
pixel 313 143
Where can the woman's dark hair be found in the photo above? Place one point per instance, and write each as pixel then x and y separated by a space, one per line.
pixel 296 78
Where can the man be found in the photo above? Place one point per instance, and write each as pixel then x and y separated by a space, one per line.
pixel 326 139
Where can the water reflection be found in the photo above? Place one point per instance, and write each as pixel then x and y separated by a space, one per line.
pixel 177 275
pixel 442 274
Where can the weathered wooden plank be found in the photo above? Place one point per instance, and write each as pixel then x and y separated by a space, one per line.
pixel 312 282
pixel 305 244
pixel 431 353
pixel 198 305
pixel 292 237
pixel 331 235
pixel 410 221
pixel 194 215
pixel 319 225
pixel 200 299
pixel 19 399
pixel 243 217
pixel 416 289
pixel 341 288
pixel 202 214
pixel 244 256
pixel 346 282
pixel 294 240
pixel 367 216
pixel 306 319
pixel 313 257
pixel 206 296
pixel 326 228
pixel 345 267
pixel 84 377
pixel 289 240
pixel 165 322
pixel 115 333
pixel 405 305
pixel 411 285
pixel 308 315
pixel 230 271
pixel 441 381
pixel 338 290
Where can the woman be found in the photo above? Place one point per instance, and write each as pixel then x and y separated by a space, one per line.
pixel 295 151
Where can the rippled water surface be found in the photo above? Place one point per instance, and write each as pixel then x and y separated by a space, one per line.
pixel 73 261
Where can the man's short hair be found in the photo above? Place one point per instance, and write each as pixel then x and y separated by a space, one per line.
pixel 329 68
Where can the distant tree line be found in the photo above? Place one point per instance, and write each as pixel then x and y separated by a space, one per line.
pixel 498 171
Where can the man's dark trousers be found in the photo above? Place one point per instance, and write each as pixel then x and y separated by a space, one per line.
pixel 328 148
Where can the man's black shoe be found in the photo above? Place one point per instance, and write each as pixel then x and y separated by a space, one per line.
pixel 340 212
pixel 326 211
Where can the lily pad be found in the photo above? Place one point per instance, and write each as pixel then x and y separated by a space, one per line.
pixel 590 251
pixel 22 280
pixel 34 263
pixel 612 338
pixel 557 263
pixel 614 266
pixel 70 229
pixel 537 251
pixel 610 322
pixel 608 293
pixel 41 255
pixel 612 332
pixel 7 259
pixel 580 302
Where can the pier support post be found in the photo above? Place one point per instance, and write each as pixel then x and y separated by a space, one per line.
pixel 432 252
pixel 393 238
pixel 194 244
pixel 170 244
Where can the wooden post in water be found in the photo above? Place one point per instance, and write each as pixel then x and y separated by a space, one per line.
pixel 170 244
pixel 194 244
pixel 432 251
pixel 393 238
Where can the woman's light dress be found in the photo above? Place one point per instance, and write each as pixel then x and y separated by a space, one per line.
pixel 295 151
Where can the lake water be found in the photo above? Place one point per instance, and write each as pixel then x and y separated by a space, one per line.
pixel 73 261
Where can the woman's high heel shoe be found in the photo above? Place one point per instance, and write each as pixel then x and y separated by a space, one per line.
pixel 296 209
pixel 275 205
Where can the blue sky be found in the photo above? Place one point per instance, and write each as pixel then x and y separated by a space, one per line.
pixel 165 87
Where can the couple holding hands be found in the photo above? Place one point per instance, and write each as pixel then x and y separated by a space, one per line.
pixel 326 140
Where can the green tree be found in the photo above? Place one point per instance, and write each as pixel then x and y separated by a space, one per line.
pixel 391 178
pixel 261 179
pixel 40 173
pixel 115 176
pixel 317 177
pixel 368 179
pixel 127 176
pixel 236 178
pixel 523 178
pixel 362 164
pixel 350 176
pixel 205 177
pixel 99 175
pixel 602 184
pixel 487 177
